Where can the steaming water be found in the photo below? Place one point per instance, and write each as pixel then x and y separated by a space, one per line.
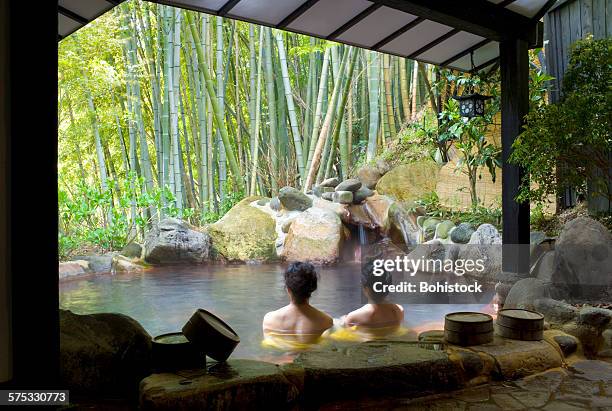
pixel 164 298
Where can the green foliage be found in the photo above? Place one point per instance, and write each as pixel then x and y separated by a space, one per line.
pixel 468 134
pixel 109 220
pixel 476 216
pixel 231 199
pixel 577 132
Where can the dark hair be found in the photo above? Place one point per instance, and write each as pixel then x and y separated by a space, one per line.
pixel 368 279
pixel 301 280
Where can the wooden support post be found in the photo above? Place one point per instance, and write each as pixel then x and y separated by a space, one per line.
pixel 514 65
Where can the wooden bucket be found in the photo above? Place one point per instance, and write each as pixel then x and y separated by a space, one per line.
pixel 468 328
pixel 211 334
pixel 173 351
pixel 520 324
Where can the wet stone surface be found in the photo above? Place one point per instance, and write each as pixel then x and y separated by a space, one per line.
pixel 585 385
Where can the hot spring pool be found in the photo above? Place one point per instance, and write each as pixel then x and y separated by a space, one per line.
pixel 163 298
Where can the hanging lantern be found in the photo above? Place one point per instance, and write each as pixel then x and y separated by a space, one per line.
pixel 472 105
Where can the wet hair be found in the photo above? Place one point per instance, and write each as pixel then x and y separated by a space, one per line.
pixel 368 279
pixel 301 279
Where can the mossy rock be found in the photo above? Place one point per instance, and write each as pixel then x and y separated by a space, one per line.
pixel 409 182
pixel 245 233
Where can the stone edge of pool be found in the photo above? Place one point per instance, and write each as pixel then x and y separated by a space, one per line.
pixel 381 368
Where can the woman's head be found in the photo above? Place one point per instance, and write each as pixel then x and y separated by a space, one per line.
pixel 368 279
pixel 301 281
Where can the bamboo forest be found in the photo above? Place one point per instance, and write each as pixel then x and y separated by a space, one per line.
pixel 169 112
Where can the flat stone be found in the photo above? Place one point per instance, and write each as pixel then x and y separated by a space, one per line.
pixel 476 394
pixel 360 195
pixel 518 359
pixel 351 184
pixel 547 381
pixel 329 196
pixel 507 402
pixel 343 197
pixel 377 367
pixel 330 182
pixel 555 312
pixel 237 384
pixel 593 370
pixel 561 406
pixel 275 204
pixel 532 399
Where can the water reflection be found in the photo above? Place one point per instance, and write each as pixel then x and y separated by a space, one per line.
pixel 164 298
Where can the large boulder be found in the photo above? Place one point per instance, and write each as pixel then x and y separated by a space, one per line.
pixel 485 248
pixel 316 236
pixel 369 176
pixel 103 355
pixel 294 199
pixel 174 241
pixel 525 292
pixel 583 257
pixel 245 233
pixel 409 182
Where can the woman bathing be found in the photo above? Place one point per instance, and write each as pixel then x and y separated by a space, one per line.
pixel 298 321
pixel 378 313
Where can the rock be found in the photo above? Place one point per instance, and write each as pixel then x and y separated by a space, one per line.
pixel 484 245
pixel 132 250
pixel 343 197
pixel 536 237
pixel 98 263
pixel 103 355
pixel 315 235
pixel 462 233
pixel 286 225
pixel 351 184
pixel 544 267
pixel 275 204
pixel 443 229
pixel 429 225
pixel 341 210
pixel 409 182
pixel 377 208
pixel 555 312
pixel 589 336
pixel 516 359
pixel 293 199
pixel 318 191
pixel 263 201
pixel 174 241
pixel 596 317
pixel 329 196
pixel 583 259
pixel 382 166
pixel 360 195
pixel 567 343
pixel 369 176
pixel 358 217
pixel 486 234
pixel 231 385
pixel 122 264
pixel 525 292
pixel 384 368
pixel 402 227
pixel 71 269
pixel 330 182
pixel 245 233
